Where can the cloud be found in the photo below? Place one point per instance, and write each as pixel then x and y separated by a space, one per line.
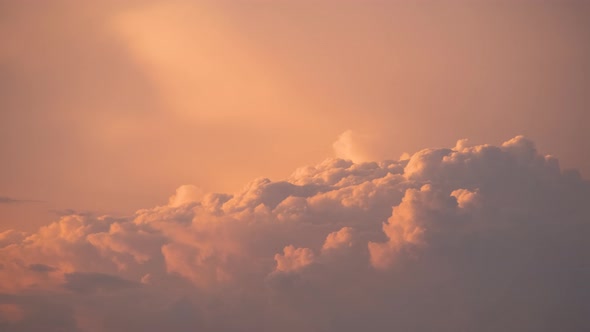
pixel 10 236
pixel 349 145
pixel 463 238
pixel 339 239
pixel 10 313
pixel 294 259
pixel 84 282
pixel 41 268
pixel 9 200
pixel 185 194
pixel 6 200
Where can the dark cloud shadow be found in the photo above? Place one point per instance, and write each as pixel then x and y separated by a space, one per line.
pixel 88 282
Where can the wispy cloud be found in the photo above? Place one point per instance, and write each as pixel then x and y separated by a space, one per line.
pixel 10 200
pixel 69 212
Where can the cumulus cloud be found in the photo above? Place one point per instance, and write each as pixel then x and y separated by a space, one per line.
pixel 185 194
pixel 294 259
pixel 350 146
pixel 475 237
pixel 10 236
pixel 339 239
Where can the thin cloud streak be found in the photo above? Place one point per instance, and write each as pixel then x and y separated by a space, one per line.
pixel 9 200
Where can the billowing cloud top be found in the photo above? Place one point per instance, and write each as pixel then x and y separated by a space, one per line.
pixel 473 238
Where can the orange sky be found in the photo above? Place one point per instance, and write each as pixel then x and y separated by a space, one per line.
pixel 294 165
pixel 108 106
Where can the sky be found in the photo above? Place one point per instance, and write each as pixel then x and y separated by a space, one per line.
pixel 328 165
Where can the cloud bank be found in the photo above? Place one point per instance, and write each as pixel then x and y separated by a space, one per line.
pixel 469 238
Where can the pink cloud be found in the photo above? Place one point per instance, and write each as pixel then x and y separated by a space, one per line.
pixel 451 234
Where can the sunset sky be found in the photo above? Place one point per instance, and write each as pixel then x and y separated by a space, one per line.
pixel 232 165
